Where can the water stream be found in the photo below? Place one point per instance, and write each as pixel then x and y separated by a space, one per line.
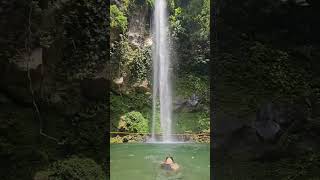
pixel 161 71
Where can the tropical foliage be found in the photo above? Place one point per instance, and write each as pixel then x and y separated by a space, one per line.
pixel 75 168
pixel 131 59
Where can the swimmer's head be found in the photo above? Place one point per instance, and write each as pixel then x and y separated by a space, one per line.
pixel 169 160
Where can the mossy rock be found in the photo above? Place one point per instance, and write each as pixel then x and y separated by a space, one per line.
pixel 122 125
pixel 116 140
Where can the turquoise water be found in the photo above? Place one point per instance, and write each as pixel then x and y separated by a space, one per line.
pixel 142 161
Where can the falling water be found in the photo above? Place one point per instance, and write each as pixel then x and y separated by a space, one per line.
pixel 161 70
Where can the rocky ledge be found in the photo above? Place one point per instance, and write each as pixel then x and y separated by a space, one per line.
pixel 140 138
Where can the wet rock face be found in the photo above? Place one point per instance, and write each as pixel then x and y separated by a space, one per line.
pixel 228 132
pixel 139 26
pixel 266 123
pixel 261 137
pixel 193 100
pixel 272 118
pixel 179 103
pixel 34 61
pixel 189 104
pixel 142 86
pixel 136 39
pixel 267 129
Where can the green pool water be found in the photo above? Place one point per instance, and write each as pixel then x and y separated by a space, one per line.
pixel 142 161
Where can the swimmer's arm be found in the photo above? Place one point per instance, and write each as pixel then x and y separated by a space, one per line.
pixel 175 166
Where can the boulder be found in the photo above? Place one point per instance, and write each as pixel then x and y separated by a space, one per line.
pixel 35 60
pixel 190 104
pixel 267 129
pixel 266 123
pixel 125 140
pixel 136 39
pixel 142 86
pixel 193 101
pixel 227 125
pixel 272 118
pixel 148 42
pixel 179 103
pixel 122 126
pixel 118 81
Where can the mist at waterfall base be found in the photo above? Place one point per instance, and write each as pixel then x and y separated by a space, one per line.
pixel 161 73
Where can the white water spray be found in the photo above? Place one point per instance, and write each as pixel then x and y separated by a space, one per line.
pixel 161 71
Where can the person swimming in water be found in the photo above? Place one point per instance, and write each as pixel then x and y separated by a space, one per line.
pixel 169 164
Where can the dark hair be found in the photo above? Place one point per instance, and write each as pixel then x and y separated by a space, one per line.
pixel 170 158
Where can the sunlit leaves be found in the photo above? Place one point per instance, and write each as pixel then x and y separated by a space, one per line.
pixel 118 19
pixel 190 27
pixel 176 22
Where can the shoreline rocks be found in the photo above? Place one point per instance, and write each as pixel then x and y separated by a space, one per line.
pixel 142 138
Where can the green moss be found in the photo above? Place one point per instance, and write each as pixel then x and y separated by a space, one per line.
pixel 191 122
pixel 116 140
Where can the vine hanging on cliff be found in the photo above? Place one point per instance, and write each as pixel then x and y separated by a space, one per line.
pixel 28 47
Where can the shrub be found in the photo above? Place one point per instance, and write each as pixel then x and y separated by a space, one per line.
pixel 204 123
pixel 136 122
pixel 76 169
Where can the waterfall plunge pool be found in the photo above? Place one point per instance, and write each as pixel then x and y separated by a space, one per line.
pixel 142 161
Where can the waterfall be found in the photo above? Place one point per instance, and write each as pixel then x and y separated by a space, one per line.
pixel 161 71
